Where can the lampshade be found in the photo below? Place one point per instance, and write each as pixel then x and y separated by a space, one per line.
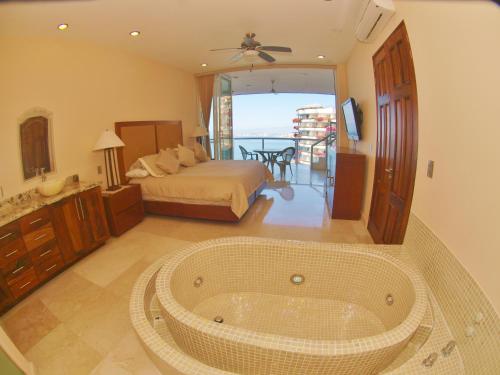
pixel 199 132
pixel 108 139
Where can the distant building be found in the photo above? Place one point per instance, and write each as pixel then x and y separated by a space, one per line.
pixel 313 122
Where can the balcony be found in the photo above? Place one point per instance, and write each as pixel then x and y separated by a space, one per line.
pixel 304 172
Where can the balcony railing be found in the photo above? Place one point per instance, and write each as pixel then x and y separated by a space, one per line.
pixel 261 143
pixel 311 151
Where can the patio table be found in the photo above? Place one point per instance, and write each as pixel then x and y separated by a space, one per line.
pixel 271 156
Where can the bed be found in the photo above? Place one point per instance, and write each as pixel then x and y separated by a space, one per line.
pixel 215 190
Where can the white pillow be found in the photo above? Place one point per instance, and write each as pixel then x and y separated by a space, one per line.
pixel 137 173
pixel 149 164
pixel 186 156
pixel 172 152
pixel 167 162
pixel 200 153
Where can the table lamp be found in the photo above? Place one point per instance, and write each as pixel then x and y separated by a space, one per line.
pixel 199 132
pixel 108 141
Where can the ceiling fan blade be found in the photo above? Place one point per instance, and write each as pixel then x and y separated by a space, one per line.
pixel 237 57
pixel 226 49
pixel 274 49
pixel 266 57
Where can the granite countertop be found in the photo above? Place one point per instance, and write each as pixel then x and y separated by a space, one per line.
pixel 30 201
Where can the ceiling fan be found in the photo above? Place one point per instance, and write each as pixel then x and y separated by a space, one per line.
pixel 273 90
pixel 251 47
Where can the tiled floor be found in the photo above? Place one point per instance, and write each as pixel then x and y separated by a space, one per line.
pixel 78 323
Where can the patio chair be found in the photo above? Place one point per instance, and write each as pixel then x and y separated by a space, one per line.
pixel 245 154
pixel 286 159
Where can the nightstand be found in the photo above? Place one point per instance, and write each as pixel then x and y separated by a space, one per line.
pixel 124 208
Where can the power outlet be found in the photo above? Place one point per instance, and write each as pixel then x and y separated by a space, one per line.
pixel 99 169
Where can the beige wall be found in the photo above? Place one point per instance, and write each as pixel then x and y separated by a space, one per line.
pixel 457 60
pixel 87 88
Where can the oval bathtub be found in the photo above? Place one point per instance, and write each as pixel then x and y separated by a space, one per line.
pixel 261 306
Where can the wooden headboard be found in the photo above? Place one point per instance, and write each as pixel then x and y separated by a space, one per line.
pixel 144 138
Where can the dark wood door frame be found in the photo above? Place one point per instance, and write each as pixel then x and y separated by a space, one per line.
pixel 397 136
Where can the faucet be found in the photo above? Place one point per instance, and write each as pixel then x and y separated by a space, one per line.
pixel 41 171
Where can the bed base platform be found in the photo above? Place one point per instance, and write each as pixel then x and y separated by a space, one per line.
pixel 198 211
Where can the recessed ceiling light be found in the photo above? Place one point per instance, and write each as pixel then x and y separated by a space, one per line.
pixel 135 33
pixel 204 65
pixel 321 57
pixel 62 26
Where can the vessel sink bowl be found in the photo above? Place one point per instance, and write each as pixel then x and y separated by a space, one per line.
pixel 51 187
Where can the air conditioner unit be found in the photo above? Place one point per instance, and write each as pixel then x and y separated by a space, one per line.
pixel 375 16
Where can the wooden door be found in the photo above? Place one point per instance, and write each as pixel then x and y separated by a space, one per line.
pixel 94 215
pixel 396 158
pixel 73 234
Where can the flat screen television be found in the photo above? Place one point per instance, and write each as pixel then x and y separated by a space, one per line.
pixel 352 119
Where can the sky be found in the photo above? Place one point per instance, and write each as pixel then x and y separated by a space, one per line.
pixel 271 114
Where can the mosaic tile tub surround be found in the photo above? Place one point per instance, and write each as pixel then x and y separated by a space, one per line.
pixel 470 316
pixel 455 300
pixel 151 328
pixel 274 300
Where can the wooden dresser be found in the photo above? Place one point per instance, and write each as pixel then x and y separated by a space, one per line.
pixel 40 244
pixel 345 183
pixel 124 208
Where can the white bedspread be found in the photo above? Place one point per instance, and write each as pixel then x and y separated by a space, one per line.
pixel 216 182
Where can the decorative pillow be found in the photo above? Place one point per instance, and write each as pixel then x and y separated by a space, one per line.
pixel 172 152
pixel 186 156
pixel 149 164
pixel 137 173
pixel 200 153
pixel 167 162
pixel 136 165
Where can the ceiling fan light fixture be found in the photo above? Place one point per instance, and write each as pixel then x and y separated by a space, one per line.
pixel 321 57
pixel 204 65
pixel 251 52
pixel 62 26
pixel 135 33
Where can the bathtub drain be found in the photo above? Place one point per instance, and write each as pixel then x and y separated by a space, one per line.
pixel 197 283
pixel 297 279
pixel 219 319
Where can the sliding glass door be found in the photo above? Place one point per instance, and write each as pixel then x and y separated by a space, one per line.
pixel 223 118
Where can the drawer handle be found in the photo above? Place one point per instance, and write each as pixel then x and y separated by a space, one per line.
pixel 25 285
pixel 18 270
pixel 11 253
pixel 48 269
pixel 6 235
pixel 40 237
pixel 45 253
pixel 36 221
pixel 77 211
pixel 81 207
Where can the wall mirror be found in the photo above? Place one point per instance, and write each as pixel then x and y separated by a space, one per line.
pixel 36 145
